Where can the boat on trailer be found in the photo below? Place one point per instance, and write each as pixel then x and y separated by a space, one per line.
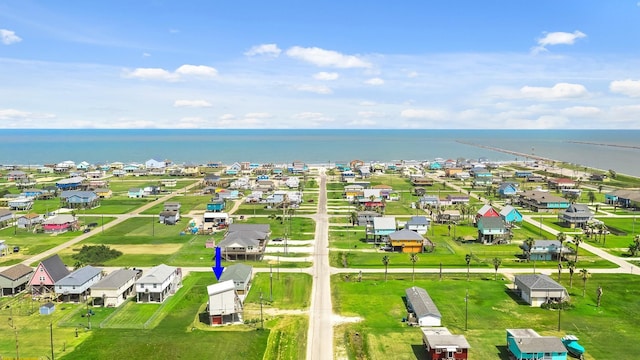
pixel 573 347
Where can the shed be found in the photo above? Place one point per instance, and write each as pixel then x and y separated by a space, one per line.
pixel 47 308
pixel 422 309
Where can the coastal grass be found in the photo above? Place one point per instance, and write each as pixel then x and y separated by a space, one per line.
pixel 117 205
pixel 290 291
pixel 187 204
pixel 491 309
pixel 175 336
pixel 139 230
pixel 287 338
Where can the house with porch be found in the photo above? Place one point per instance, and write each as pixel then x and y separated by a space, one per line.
pixel 15 279
pixel 507 189
pixel 542 201
pixel 224 304
pixel 510 215
pixel 365 218
pixel 441 344
pixel 421 310
pixel 492 230
pixel 72 183
pixel 623 198
pixel 537 289
pixel 76 199
pixel 16 175
pixel 419 224
pixel 60 223
pixel 382 227
pixel 115 288
pixel 20 203
pixel 244 241
pixel 158 284
pixel 103 193
pixel 216 205
pixel 545 250
pixel 135 193
pixel 527 344
pixel 561 183
pixel 241 276
pixel 46 274
pixel 576 216
pixel 75 287
pixel 28 221
pixel 170 215
pixel 408 241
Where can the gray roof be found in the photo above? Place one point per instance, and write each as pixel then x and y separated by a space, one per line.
pixel 507 209
pixel 421 302
pixel 16 272
pixel 491 222
pixel 265 228
pixel 73 180
pixel 538 282
pixel 157 274
pixel 418 220
pixel 82 194
pixel 60 219
pixel 55 267
pixel 242 241
pixel 115 280
pixel 79 276
pixel 458 341
pixel 237 272
pixel 5 212
pixel 528 341
pixel 405 234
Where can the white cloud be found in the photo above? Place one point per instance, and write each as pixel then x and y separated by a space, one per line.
pixel 9 37
pixel 327 58
pixel 151 74
pixel 197 70
pixel 626 87
pixel 315 118
pixel 258 115
pixel 367 103
pixel 371 114
pixel 191 122
pixel 558 91
pixel 363 122
pixel 581 111
pixel 146 54
pixel 374 82
pixel 227 117
pixel 162 74
pixel 318 89
pixel 431 114
pixel 542 122
pixel 326 76
pixel 192 103
pixel 412 74
pixel 265 49
pixel 557 38
pixel 13 114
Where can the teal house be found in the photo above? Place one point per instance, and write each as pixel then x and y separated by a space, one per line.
pixel 510 214
pixel 527 344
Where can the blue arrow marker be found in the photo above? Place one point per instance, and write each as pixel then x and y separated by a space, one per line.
pixel 218 268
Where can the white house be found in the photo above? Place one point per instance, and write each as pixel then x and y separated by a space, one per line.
pixel 421 309
pixel 212 220
pixel 158 283
pixel 75 286
pixel 115 288
pixel 224 304
pixel 419 224
pixel 155 164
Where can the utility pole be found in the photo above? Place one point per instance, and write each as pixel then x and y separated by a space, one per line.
pixel 466 310
pixel 270 283
pixel 261 319
pixel 51 338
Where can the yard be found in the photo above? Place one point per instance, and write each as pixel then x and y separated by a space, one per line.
pixel 491 309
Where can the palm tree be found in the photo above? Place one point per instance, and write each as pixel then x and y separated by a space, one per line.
pixel 413 258
pixel 529 243
pixel 592 196
pixel 561 238
pixel 599 295
pixel 585 275
pixel 572 268
pixel 559 271
pixel 577 240
pixel 385 261
pixel 496 265
pixel 604 230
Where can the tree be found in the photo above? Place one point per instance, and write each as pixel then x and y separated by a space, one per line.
pixel 599 295
pixel 385 261
pixel 600 188
pixel 572 268
pixel 562 237
pixel 413 258
pixel 612 173
pixel 577 240
pixel 634 247
pixel 496 265
pixel 467 258
pixel 585 274
pixel 591 196
pixel 604 230
pixel 529 244
pixel 559 271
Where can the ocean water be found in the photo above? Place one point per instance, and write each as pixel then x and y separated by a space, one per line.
pixel 36 147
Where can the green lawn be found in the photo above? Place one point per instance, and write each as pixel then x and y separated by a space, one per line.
pixel 187 204
pixel 117 205
pixel 290 291
pixel 491 309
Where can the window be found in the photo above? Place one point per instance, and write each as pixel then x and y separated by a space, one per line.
pixel 141 286
pixel 42 278
pixel 155 286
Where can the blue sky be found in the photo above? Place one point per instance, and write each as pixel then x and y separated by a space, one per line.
pixel 325 64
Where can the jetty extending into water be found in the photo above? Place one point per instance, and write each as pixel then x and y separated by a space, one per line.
pixel 516 153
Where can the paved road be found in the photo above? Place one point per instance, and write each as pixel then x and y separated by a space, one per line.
pixel 320 334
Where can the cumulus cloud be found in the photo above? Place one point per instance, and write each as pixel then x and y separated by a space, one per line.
pixel 558 91
pixel 197 70
pixel 265 49
pixel 327 58
pixel 318 89
pixel 257 115
pixel 430 114
pixel 192 103
pixel 326 76
pixel 9 37
pixel 14 114
pixel 194 71
pixel 557 38
pixel 626 87
pixel 374 82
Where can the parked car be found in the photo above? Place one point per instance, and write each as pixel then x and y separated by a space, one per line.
pixel 16 249
pixel 277 239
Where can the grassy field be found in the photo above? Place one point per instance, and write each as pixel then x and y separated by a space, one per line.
pixel 290 291
pixel 187 204
pixel 491 309
pixel 31 243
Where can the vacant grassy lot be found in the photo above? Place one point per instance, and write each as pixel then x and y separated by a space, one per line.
pixel 118 205
pixel 491 309
pixel 187 203
pixel 290 291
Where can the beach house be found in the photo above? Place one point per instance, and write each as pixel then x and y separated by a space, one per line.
pixel 576 216
pixel 75 286
pixel 158 283
pixel 224 304
pixel 407 241
pixel 527 344
pixel 46 274
pixel 537 289
pixel 115 288
pixel 441 344
pixel 60 223
pixel 14 279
